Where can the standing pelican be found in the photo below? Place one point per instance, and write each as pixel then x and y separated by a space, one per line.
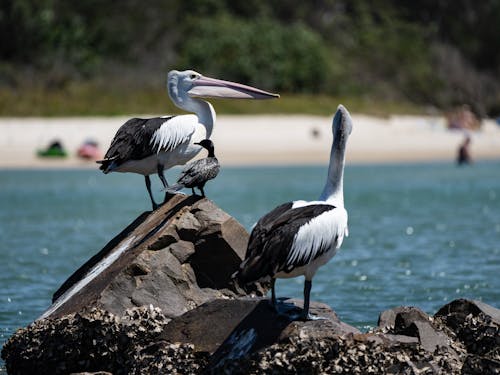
pixel 296 238
pixel 148 146
pixel 198 172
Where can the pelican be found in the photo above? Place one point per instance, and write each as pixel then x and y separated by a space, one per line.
pixel 198 172
pixel 147 146
pixel 298 237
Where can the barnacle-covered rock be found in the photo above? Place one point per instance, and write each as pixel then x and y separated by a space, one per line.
pixel 477 326
pixel 99 341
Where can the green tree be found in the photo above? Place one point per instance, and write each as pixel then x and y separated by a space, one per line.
pixel 261 52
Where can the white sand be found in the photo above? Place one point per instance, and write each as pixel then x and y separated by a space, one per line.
pixel 260 139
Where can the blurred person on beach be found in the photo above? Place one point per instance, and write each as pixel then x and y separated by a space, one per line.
pixel 463 156
pixel 463 118
pixel 54 150
pixel 89 150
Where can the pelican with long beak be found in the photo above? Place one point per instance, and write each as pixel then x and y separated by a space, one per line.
pixel 151 145
pixel 298 237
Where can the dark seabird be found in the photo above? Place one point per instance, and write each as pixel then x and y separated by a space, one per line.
pixel 298 237
pixel 198 172
pixel 147 146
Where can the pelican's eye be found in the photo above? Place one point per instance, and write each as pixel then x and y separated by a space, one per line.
pixel 193 76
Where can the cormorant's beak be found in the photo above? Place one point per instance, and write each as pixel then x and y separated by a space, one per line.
pixel 206 87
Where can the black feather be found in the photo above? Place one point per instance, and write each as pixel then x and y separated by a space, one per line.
pixel 272 238
pixel 132 141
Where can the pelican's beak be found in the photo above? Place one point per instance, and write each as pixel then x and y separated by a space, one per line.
pixel 207 87
pixel 342 119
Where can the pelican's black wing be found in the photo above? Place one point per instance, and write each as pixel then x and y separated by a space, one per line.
pixel 272 238
pixel 133 140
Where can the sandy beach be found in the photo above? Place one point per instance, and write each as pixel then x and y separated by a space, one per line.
pixel 260 139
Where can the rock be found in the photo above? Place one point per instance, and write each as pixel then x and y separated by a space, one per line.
pixel 176 258
pixel 262 328
pixel 214 326
pixel 461 308
pixel 340 355
pixel 400 318
pixel 98 341
pixel 477 326
pixel 477 365
pixel 413 322
pixel 387 339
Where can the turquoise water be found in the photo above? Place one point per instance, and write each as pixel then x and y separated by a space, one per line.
pixel 419 234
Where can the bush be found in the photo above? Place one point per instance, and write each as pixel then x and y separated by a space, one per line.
pixel 260 52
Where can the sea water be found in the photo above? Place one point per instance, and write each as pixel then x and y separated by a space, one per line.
pixel 421 235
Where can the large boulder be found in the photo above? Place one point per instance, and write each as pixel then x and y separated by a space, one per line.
pixel 175 258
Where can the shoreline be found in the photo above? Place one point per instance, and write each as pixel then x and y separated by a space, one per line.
pixel 260 140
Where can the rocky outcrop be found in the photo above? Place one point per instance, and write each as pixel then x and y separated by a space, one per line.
pixel 100 341
pixel 176 258
pixel 245 336
pixel 159 299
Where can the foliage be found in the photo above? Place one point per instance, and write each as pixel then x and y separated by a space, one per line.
pixel 440 53
pixel 262 53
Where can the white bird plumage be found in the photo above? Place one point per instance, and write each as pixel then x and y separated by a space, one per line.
pixel 147 146
pixel 296 238
pixel 312 237
pixel 174 132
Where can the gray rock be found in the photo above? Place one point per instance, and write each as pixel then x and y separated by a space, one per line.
pixel 214 326
pixel 476 325
pixel 413 322
pixel 460 308
pixel 387 339
pixel 430 338
pixel 401 317
pixel 478 365
pixel 176 258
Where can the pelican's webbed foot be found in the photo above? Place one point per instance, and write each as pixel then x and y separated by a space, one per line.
pixel 309 317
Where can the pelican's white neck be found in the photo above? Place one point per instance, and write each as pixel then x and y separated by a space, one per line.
pixel 203 109
pixel 333 192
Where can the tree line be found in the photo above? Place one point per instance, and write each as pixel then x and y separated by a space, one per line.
pixel 437 52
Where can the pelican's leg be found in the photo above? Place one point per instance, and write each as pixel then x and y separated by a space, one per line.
pixel 307 297
pixel 164 182
pixel 148 186
pixel 273 303
pixel 194 192
pixel 162 176
pixel 273 292
pixel 202 191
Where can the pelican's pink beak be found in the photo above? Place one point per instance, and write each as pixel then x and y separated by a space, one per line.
pixel 206 87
